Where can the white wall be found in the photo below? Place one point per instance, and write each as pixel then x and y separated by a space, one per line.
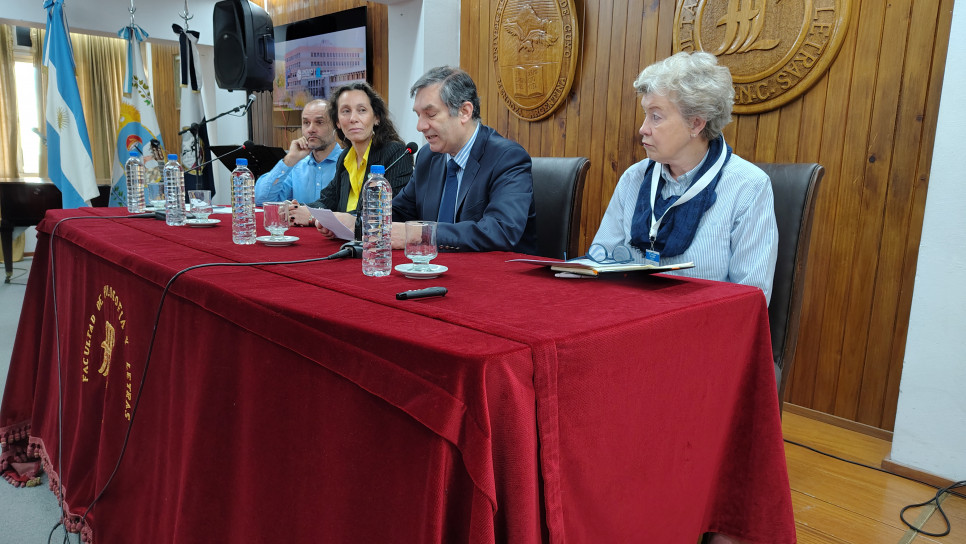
pixel 423 34
pixel 930 430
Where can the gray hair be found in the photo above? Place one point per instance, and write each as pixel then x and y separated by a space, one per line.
pixel 696 84
pixel 457 87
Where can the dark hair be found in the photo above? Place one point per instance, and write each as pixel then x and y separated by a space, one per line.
pixel 383 132
pixel 456 87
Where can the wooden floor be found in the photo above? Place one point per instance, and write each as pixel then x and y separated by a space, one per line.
pixel 839 502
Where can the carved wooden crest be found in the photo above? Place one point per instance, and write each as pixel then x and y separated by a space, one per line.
pixel 775 49
pixel 534 54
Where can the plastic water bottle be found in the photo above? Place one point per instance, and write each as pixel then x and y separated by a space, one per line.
pixel 174 204
pixel 376 223
pixel 242 204
pixel 135 173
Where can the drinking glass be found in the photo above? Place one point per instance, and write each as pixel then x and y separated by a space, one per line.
pixel 420 243
pixel 200 203
pixel 276 217
pixel 154 194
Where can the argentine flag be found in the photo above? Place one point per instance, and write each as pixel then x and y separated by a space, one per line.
pixel 138 124
pixel 69 162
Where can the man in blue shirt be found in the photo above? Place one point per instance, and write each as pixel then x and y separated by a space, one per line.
pixel 309 164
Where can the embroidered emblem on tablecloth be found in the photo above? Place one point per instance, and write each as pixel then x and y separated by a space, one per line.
pixel 105 336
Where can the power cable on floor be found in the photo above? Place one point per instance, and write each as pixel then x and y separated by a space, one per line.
pixel 940 490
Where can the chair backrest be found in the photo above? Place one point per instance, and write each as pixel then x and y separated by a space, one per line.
pixel 795 187
pixel 558 187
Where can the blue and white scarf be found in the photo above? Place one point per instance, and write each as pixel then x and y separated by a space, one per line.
pixel 676 224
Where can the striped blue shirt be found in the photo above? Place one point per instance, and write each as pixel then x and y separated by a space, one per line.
pixel 737 238
pixel 462 157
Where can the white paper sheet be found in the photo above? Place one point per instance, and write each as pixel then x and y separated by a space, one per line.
pixel 328 220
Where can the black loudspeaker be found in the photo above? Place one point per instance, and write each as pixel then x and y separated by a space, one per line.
pixel 244 46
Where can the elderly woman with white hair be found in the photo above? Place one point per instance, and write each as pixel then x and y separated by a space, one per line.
pixel 692 199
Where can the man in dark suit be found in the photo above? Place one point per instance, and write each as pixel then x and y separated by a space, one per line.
pixel 475 183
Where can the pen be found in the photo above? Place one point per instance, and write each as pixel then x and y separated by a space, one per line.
pixel 421 293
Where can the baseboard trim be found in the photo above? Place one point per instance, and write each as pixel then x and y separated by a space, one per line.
pixel 848 424
pixel 916 474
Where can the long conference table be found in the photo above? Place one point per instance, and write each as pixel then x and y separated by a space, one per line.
pixel 304 403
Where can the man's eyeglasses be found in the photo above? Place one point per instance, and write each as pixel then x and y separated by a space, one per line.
pixel 619 255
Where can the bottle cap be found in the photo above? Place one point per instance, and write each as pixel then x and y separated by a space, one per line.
pixel 172 157
pixel 134 154
pixel 377 169
pixel 241 162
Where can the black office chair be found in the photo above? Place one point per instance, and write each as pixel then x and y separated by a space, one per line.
pixel 558 187
pixel 795 187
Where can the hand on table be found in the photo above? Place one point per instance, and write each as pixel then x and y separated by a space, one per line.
pixel 299 215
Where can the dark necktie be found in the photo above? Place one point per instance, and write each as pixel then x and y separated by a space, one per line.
pixel 447 206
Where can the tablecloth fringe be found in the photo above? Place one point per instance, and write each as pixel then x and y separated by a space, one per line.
pixel 13 433
pixel 19 447
pixel 72 522
pixel 17 466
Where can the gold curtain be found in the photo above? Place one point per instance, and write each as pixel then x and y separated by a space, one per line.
pixel 37 48
pixel 165 105
pixel 100 66
pixel 9 129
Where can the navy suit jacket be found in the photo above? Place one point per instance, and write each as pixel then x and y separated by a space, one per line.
pixel 494 207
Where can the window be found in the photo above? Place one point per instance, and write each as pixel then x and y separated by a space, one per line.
pixel 28 110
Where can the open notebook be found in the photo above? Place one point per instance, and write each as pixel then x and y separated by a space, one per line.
pixel 587 267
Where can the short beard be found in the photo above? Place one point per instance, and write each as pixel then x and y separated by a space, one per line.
pixel 323 146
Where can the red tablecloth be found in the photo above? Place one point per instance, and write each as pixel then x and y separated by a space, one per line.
pixel 302 402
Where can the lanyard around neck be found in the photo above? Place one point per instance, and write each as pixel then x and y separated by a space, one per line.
pixel 692 191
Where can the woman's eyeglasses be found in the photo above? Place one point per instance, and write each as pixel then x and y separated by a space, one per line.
pixel 619 255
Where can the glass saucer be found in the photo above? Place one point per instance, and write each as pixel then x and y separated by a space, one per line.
pixel 277 240
pixel 202 222
pixel 432 271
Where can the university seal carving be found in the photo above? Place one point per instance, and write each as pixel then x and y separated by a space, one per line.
pixel 775 49
pixel 534 54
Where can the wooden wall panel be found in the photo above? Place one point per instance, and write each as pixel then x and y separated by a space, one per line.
pixel 870 120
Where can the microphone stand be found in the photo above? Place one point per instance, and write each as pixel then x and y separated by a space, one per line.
pixel 195 127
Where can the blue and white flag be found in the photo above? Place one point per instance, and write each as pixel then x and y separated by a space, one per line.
pixel 138 124
pixel 194 142
pixel 69 161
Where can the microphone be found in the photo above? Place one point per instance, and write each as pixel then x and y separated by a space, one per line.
pixel 351 249
pixel 411 148
pixel 247 145
pixel 193 129
pixel 251 100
